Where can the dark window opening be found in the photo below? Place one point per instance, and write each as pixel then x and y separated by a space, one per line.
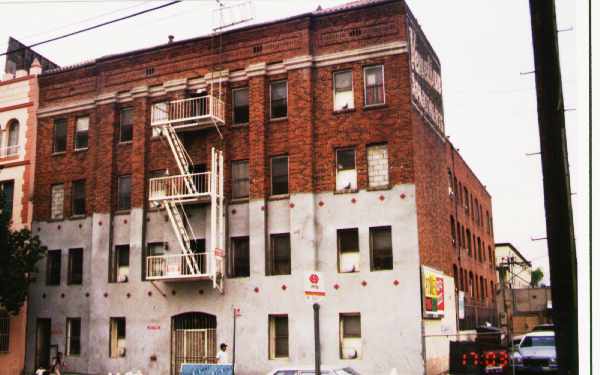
pixel 381 248
pixel 279 257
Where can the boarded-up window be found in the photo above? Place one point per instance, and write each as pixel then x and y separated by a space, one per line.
pixel 377 159
pixel 57 201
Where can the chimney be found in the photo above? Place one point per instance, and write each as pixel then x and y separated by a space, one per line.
pixel 171 37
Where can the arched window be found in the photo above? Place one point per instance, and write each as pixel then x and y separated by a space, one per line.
pixel 13 133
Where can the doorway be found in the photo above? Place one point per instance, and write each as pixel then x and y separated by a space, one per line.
pixel 42 345
pixel 193 339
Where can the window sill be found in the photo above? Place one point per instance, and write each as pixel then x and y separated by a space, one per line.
pixel 375 106
pixel 77 217
pixel 278 197
pixel 342 111
pixel 240 125
pixel 347 191
pixel 379 188
pixel 123 212
pixel 124 143
pixel 278 119
pixel 239 200
pixel 78 150
pixel 59 153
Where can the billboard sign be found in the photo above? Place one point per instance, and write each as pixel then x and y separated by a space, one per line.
pixel 425 76
pixel 433 293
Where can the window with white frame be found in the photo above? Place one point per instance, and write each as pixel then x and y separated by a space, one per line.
pixel 82 127
pixel 343 93
pixel 346 178
pixel 73 339
pixel 278 337
pixel 350 336
pixel 241 108
pixel 240 182
pixel 348 251
pixel 117 337
pixel 279 99
pixel 160 112
pixel 374 85
pixel 377 160
pixel 57 201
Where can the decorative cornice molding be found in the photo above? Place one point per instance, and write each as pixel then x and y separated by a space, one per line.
pixel 66 108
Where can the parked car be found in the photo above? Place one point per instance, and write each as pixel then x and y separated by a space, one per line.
pixel 325 370
pixel 536 353
pixel 543 327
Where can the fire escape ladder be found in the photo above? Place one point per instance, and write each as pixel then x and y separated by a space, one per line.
pixel 184 233
pixel 182 158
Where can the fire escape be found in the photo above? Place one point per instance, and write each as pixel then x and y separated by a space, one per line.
pixel 175 192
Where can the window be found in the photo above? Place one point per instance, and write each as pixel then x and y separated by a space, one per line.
pixel 60 135
pixel 479 252
pixel 492 291
pixel 374 85
pixel 153 266
pixel 241 108
pixel 381 248
pixel 78 196
pixel 343 93
pixel 350 336
pixel 278 336
pixel 75 275
pixel 450 189
pixel 490 257
pixel 377 158
pixel 462 231
pixel 240 181
pixel 345 169
pixel 472 209
pixel 348 251
pixel 279 175
pixel 279 257
pixel 73 344
pixel 7 189
pixel 469 242
pixel 117 337
pixel 53 267
pixel 453 230
pixel 487 221
pixel 466 194
pixel 460 194
pixel 160 113
pixel 4 332
pixel 126 125
pixel 460 236
pixel 124 193
pixel 476 207
pixel 81 133
pixel 13 138
pixel 279 99
pixel 119 264
pixel 239 257
pixel 57 201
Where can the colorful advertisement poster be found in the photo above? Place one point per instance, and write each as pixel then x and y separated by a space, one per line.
pixel 433 293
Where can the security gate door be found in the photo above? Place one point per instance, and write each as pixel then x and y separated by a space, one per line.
pixel 193 340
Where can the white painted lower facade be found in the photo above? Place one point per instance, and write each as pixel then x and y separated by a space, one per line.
pixel 389 302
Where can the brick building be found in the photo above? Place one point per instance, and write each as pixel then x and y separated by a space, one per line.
pixel 179 182
pixel 18 106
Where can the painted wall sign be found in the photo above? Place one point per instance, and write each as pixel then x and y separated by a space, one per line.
pixel 433 293
pixel 425 76
pixel 313 287
pixel 153 327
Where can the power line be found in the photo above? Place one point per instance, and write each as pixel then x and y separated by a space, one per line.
pixel 93 27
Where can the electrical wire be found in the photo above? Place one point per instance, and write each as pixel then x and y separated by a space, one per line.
pixel 93 27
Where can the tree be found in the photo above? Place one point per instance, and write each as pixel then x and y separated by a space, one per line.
pixel 536 276
pixel 19 253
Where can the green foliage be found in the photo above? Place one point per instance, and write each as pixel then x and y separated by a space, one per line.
pixel 19 254
pixel 536 276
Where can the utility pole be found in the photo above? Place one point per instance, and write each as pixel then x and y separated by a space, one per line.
pixel 557 189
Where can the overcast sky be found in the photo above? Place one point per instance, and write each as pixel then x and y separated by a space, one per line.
pixel 484 47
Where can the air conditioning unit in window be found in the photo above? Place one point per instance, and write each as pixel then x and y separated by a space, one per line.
pixel 122 278
pixel 351 348
pixel 349 262
pixel 122 351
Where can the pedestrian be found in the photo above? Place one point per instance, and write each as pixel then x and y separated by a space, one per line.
pixel 222 355
pixel 57 365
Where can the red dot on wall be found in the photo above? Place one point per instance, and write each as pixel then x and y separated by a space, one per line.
pixel 292 205
pixel 396 282
pixel 149 293
pixel 147 219
pixel 125 221
pixel 128 295
pixel 283 287
pixel 59 227
pixel 62 295
pixel 256 290
pixel 353 200
pixel 364 283
pixel 105 294
pixel 201 291
pixel 381 198
pixel 100 223
pixel 336 286
pixel 321 203
pixel 234 211
pixel 87 295
pixel 43 295
pixel 262 208
pixel 402 196
pixel 173 292
pixel 39 229
pixel 80 226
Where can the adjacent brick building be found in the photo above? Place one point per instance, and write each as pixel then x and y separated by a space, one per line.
pixel 334 159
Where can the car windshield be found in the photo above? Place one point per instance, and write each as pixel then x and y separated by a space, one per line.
pixel 529 341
